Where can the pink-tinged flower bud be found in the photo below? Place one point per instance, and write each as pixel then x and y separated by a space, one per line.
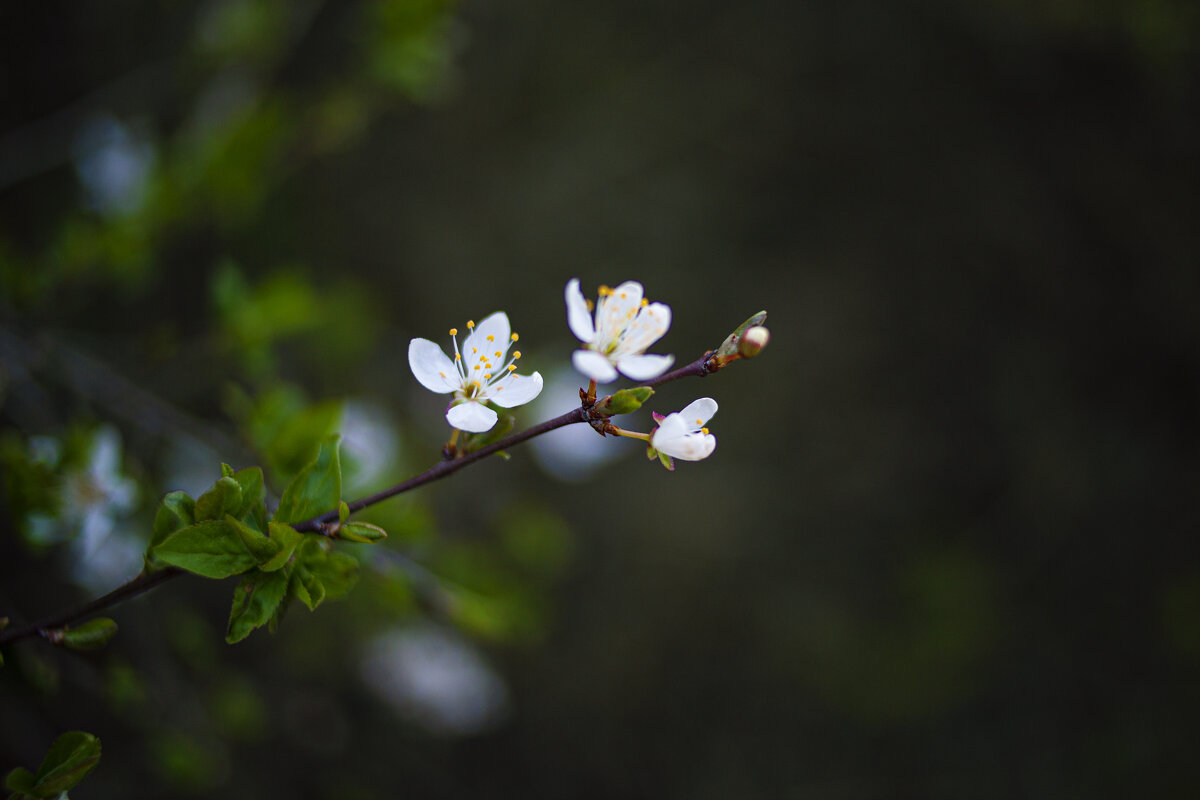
pixel 753 341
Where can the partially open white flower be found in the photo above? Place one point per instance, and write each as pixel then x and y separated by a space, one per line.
pixel 477 374
pixel 625 325
pixel 683 435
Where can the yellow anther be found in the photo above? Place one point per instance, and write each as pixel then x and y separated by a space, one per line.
pixel 590 305
pixel 474 349
pixel 487 376
pixel 470 323
pixel 476 366
pixel 704 431
pixel 442 374
pixel 491 338
pixel 512 367
pixel 623 295
pixel 699 422
pixel 645 302
pixel 514 337
pixel 457 357
pixel 498 354
pixel 604 291
pixel 454 331
pixel 516 354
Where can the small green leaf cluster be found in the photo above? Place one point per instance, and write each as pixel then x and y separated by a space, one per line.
pixel 227 531
pixel 72 756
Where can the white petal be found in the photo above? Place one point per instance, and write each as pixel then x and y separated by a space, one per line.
pixel 515 390
pixel 698 412
pixel 579 319
pixel 642 368
pixel 647 328
pixel 431 367
pixel 617 310
pixel 689 447
pixel 671 428
pixel 471 417
pixel 594 366
pixel 479 350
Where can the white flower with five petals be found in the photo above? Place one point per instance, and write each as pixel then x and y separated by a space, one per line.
pixel 683 435
pixel 625 325
pixel 477 374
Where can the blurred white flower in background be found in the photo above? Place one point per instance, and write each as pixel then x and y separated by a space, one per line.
pixel 436 679
pixel 576 452
pixel 369 444
pixel 113 164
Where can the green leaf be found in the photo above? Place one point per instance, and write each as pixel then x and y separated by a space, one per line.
pixel 91 635
pixel 729 346
pixel 177 510
pixel 316 489
pixel 212 549
pixel 262 548
pixel 362 532
pixel 343 511
pixel 255 601
pixel 72 756
pixel 337 573
pixel 224 497
pixel 20 780
pixel 625 401
pixel 305 586
pixel 226 470
pixel 254 494
pixel 288 539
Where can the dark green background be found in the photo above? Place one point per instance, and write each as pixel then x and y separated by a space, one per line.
pixel 947 545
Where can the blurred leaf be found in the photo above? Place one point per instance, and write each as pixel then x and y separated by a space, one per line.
pixel 72 756
pixel 20 780
pixel 212 549
pixel 316 489
pixel 254 602
pixel 91 635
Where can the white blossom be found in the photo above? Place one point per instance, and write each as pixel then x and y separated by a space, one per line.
pixel 477 375
pixel 683 435
pixel 625 325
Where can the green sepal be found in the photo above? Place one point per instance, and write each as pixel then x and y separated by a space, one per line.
pixel 20 780
pixel 625 401
pixel 91 635
pixel 211 549
pixel 72 756
pixel 223 498
pixel 288 539
pixel 260 546
pixel 255 601
pixel 663 458
pixel 254 493
pixel 504 424
pixel 176 510
pixel 316 489
pixel 729 346
pixel 226 470
pixel 361 532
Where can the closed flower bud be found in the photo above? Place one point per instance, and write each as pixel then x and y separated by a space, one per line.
pixel 753 341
